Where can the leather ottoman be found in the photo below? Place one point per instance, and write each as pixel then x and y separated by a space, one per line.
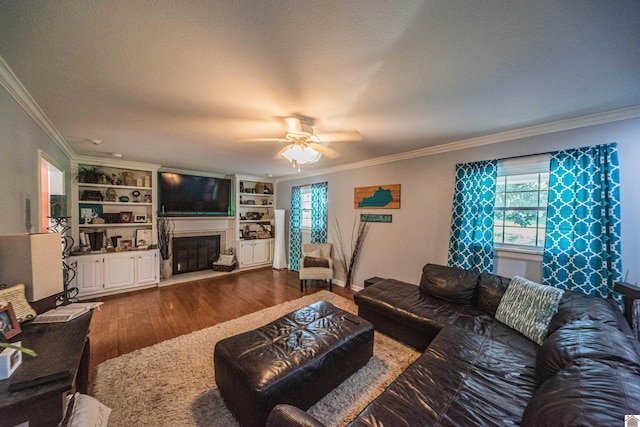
pixel 296 359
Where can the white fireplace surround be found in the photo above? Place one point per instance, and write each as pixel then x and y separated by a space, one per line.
pixel 194 227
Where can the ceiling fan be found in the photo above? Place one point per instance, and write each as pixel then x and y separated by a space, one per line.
pixel 305 146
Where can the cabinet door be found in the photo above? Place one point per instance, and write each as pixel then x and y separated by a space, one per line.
pixel 88 274
pixel 261 252
pixel 119 271
pixel 146 267
pixel 272 245
pixel 246 254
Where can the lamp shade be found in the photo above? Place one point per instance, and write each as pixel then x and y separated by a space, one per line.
pixel 300 154
pixel 35 260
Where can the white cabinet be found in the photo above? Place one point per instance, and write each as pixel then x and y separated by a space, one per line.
pixel 147 267
pixel 105 273
pixel 255 252
pixel 119 270
pixel 89 273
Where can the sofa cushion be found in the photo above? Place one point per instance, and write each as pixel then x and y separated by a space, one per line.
pixel 588 393
pixel 402 311
pixel 577 306
pixel 584 339
pixel 462 379
pixel 528 307
pixel 450 284
pixel 491 288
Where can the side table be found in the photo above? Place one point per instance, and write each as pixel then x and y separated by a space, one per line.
pixel 43 405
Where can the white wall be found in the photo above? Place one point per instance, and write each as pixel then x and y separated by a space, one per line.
pixel 20 139
pixel 419 232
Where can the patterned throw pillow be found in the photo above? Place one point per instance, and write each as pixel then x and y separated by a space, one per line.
pixel 317 253
pixel 226 259
pixel 528 307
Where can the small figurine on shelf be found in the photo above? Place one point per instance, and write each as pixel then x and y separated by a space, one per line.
pixel 110 195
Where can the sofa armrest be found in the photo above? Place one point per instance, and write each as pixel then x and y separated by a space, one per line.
pixel 290 416
pixel 629 294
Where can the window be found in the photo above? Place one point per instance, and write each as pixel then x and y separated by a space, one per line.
pixel 522 191
pixel 305 206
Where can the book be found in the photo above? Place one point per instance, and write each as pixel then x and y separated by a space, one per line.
pixel 66 313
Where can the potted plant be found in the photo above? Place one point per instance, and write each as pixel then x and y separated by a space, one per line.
pixel 90 174
pixel 348 262
pixel 25 350
pixel 165 234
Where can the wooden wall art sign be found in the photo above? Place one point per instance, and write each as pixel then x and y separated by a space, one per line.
pixel 377 197
pixel 375 218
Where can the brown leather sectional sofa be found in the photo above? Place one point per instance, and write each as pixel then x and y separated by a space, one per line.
pixel 477 371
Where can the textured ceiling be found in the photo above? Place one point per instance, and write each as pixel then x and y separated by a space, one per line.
pixel 177 83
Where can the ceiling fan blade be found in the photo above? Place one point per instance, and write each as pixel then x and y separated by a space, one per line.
pixel 342 136
pixel 293 124
pixel 260 140
pixel 325 151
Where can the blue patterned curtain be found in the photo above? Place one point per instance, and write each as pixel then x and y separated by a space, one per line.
pixel 319 212
pixel 295 232
pixel 471 242
pixel 582 247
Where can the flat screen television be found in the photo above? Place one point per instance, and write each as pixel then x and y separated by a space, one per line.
pixel 192 195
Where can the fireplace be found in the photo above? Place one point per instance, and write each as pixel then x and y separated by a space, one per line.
pixel 194 253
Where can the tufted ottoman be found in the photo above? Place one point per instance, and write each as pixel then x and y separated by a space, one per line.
pixel 296 359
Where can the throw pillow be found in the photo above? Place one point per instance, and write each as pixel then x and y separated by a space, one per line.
pixel 310 262
pixel 85 411
pixel 528 307
pixel 225 259
pixel 15 295
pixel 315 253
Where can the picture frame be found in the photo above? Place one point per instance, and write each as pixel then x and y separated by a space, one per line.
pixel 126 217
pixel 111 218
pixel 139 218
pixel 125 243
pixel 143 237
pixel 88 211
pixel 9 325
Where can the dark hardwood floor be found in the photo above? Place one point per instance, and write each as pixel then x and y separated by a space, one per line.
pixel 134 320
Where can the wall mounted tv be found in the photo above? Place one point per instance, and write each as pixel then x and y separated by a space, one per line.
pixel 191 195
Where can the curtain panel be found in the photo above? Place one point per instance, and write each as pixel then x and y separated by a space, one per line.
pixel 295 230
pixel 471 241
pixel 319 217
pixel 582 246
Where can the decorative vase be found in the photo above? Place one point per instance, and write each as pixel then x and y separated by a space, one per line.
pixel 127 178
pixel 165 269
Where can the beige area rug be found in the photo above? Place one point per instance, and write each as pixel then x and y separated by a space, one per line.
pixel 172 383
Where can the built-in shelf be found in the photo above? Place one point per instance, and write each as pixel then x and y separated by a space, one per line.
pixel 120 224
pixel 114 186
pixel 94 202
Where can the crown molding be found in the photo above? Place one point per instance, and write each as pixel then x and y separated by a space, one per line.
pixel 14 87
pixel 536 130
pixel 113 163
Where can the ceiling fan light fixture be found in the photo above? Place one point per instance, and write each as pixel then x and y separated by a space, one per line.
pixel 299 154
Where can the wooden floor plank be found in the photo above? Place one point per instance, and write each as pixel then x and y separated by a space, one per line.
pixel 127 322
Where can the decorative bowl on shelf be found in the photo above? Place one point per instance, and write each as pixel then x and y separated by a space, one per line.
pixel 124 199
